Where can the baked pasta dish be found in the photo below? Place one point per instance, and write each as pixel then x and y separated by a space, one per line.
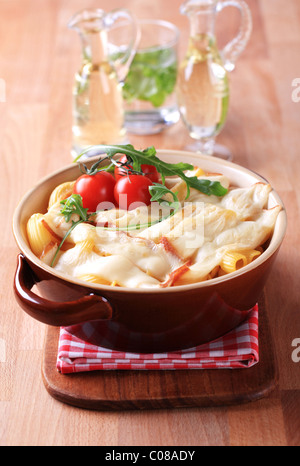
pixel 139 222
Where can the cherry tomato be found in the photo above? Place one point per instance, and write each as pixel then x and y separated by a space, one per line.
pixel 132 191
pixel 149 170
pixel 96 189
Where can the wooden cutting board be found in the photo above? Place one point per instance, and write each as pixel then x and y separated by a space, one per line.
pixel 125 390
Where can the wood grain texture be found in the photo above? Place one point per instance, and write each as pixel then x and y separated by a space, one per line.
pixel 126 390
pixel 38 59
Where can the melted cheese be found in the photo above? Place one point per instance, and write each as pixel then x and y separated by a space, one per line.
pixel 56 221
pixel 190 245
pixel 247 203
pixel 245 235
pixel 118 269
pixel 193 231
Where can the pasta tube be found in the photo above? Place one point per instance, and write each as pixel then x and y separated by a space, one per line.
pixel 61 192
pixel 233 261
pixel 91 278
pixel 38 235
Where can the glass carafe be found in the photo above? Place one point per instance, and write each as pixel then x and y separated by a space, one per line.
pixel 203 85
pixel 107 51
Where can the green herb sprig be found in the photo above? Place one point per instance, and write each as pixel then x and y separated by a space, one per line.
pixel 135 159
pixel 148 156
pixel 70 206
pixel 73 205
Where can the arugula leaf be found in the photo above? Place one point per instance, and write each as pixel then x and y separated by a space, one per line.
pixel 73 205
pixel 158 191
pixel 207 186
pixel 148 157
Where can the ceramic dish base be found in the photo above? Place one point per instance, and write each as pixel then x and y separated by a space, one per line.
pixel 161 389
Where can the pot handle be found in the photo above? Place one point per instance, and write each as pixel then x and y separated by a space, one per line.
pixel 86 308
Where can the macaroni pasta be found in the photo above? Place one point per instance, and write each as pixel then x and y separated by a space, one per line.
pixel 206 238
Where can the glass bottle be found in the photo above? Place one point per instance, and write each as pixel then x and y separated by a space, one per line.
pixel 203 84
pixel 98 115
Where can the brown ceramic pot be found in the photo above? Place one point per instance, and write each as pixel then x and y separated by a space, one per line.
pixel 140 320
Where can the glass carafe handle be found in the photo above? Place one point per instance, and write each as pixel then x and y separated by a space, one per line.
pixel 128 50
pixel 235 47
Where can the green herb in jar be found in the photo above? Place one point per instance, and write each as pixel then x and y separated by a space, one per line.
pixel 152 76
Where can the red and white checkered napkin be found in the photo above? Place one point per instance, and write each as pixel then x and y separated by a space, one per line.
pixel 237 349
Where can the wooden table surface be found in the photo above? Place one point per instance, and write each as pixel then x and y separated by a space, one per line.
pixel 38 59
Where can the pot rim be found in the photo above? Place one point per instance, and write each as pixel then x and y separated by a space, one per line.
pixel 275 243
